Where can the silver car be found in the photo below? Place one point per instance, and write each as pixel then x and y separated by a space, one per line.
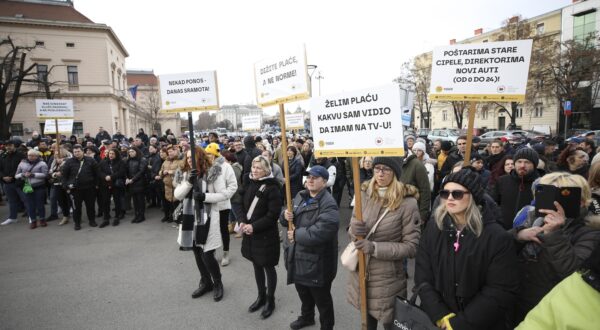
pixel 444 135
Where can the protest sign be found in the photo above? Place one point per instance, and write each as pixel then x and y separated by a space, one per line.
pixel 54 108
pixel 492 71
pixel 65 126
pixel 282 79
pixel 361 123
pixel 251 123
pixel 186 92
pixel 294 121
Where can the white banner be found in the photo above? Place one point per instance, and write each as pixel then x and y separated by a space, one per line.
pixel 186 92
pixel 294 121
pixel 54 108
pixel 251 123
pixel 492 71
pixel 65 126
pixel 361 123
pixel 282 79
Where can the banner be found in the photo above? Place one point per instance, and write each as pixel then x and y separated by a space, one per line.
pixel 187 92
pixel 282 79
pixel 65 126
pixel 361 123
pixel 251 123
pixel 54 108
pixel 294 121
pixel 491 71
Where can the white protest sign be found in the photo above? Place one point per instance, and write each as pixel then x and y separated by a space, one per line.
pixel 282 79
pixel 54 108
pixel 65 126
pixel 186 92
pixel 251 123
pixel 294 121
pixel 406 116
pixel 492 71
pixel 361 123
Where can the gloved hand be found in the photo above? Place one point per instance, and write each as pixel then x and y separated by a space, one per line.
pixel 193 176
pixel 358 228
pixel 365 245
pixel 199 196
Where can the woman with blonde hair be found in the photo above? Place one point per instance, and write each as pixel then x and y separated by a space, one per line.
pixel 390 211
pixel 466 264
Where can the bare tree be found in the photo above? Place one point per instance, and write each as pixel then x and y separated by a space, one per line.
pixel 459 108
pixel 153 105
pixel 205 121
pixel 416 77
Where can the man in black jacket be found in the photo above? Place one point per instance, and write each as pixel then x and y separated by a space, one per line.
pixel 9 161
pixel 456 155
pixel 311 249
pixel 80 179
pixel 513 191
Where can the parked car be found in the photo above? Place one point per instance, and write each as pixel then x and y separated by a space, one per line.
pixel 423 132
pixel 444 135
pixel 488 137
pixel 533 135
pixel 582 135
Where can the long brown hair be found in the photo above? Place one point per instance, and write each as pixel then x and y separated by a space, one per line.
pixel 594 178
pixel 202 161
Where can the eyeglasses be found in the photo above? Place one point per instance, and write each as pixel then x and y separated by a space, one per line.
pixel 368 161
pixel 456 194
pixel 381 169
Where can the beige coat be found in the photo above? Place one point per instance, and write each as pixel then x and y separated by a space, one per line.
pixel 396 239
pixel 170 165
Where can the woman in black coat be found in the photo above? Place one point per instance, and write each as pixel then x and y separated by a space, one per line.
pixel 155 192
pixel 136 182
pixel 466 265
pixel 260 243
pixel 112 171
pixel 296 170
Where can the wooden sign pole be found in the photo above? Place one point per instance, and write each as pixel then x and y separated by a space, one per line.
pixel 57 138
pixel 362 279
pixel 286 163
pixel 472 110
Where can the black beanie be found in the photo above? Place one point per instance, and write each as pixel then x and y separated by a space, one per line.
pixel 470 180
pixel 395 163
pixel 446 145
pixel 529 154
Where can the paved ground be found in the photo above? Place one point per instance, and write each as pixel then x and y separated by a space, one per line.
pixel 133 277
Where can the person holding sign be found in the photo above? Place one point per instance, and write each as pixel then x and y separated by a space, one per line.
pixel 392 223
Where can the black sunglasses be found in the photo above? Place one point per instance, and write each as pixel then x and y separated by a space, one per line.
pixel 456 194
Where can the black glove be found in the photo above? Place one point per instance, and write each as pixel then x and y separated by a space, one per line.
pixel 199 196
pixel 193 176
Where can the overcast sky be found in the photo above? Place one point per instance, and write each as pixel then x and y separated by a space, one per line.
pixel 355 44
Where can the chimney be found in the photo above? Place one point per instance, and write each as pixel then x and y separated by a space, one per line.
pixel 453 41
pixel 513 20
pixel 479 31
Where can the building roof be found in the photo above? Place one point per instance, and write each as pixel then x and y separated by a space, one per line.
pixel 61 12
pixel 141 78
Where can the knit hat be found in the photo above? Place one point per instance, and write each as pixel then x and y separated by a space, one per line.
pixel 212 149
pixel 446 145
pixel 419 146
pixel 395 163
pixel 410 136
pixel 470 180
pixel 529 154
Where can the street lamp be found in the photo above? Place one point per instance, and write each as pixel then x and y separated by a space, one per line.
pixel 310 74
pixel 319 77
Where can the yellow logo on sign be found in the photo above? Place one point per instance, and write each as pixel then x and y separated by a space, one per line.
pixel 439 89
pixel 321 143
pixel 167 103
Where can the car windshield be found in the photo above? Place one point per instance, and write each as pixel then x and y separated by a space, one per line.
pixel 453 132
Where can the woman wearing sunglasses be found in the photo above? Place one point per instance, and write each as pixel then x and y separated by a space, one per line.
pixel 391 205
pixel 466 263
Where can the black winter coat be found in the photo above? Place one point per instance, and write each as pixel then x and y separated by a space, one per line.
pixel 155 161
pixel 136 171
pixel 312 259
pixel 478 283
pixel 262 247
pixel 296 170
pixel 88 176
pixel 453 157
pixel 116 169
pixel 512 192
pixel 9 163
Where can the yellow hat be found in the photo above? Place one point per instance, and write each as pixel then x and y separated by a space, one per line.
pixel 212 149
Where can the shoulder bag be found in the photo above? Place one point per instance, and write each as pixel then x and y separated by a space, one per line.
pixel 409 316
pixel 349 257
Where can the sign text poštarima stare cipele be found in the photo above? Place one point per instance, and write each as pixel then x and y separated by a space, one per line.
pixel 492 71
pixel 360 123
pixel 187 92
pixel 282 78
pixel 52 109
pixel 65 126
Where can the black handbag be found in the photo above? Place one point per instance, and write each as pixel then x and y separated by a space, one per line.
pixel 408 316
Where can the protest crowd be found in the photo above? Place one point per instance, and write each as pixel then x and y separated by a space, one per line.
pixel 487 256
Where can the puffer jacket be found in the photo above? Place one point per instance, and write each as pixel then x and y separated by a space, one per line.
pixel 86 178
pixel 170 165
pixel 237 170
pixel 512 192
pixel 222 184
pixel 414 173
pixel 311 260
pixel 396 239
pixel 136 171
pixel 116 169
pixel 39 169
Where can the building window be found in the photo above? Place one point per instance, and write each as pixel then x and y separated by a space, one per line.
pixel 538 110
pixel 42 75
pixel 444 115
pixel 539 29
pixel 77 128
pixel 539 84
pixel 73 76
pixel 584 25
pixel 16 129
pixel 70 45
pixel 484 113
pixel 39 43
pixel 519 112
